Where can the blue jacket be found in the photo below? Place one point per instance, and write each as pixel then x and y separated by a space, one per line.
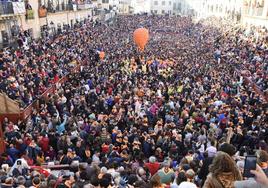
pixel 13 153
pixel 61 127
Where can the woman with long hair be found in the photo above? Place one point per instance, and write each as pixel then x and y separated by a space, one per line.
pixel 223 172
pixel 155 182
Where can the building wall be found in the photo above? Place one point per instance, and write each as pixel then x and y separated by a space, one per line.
pixel 254 15
pixel 140 6
pixel 220 8
pixel 63 17
pixel 162 6
pixel 235 10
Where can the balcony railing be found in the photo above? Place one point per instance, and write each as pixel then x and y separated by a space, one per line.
pixel 6 8
pixel 84 6
pixel 13 8
pixel 68 7
pixel 59 8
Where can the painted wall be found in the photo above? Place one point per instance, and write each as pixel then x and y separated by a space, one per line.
pixel 58 18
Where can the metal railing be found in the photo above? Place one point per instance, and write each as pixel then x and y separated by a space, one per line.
pixel 9 8
pixel 6 8
pixel 84 6
pixel 68 7
pixel 59 8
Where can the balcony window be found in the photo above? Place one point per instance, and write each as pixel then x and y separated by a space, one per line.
pixel 260 4
pixel 179 6
pixel 246 3
pixel 163 3
pixel 53 6
pixel 6 8
pixel 257 11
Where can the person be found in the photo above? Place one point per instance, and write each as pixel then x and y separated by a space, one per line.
pixel 223 172
pixel 153 166
pixel 204 170
pixel 166 173
pixel 260 180
pixel 160 111
pixel 260 176
pixel 155 182
pixel 181 177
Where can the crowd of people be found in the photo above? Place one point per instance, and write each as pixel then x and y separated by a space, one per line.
pixel 180 114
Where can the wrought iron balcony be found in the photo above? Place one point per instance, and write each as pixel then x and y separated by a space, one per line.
pixel 11 8
pixel 68 7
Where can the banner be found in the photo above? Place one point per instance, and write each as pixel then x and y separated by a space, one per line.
pixel 42 12
pixel 29 14
pixel 19 7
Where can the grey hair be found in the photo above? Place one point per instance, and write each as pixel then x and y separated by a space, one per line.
pixel 152 159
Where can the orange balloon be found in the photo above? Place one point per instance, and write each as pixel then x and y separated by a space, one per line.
pixel 102 55
pixel 141 37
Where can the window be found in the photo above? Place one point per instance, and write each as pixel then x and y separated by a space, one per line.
pixel 155 11
pixel 156 3
pixel 163 3
pixel 169 2
pixel 163 11
pixel 179 6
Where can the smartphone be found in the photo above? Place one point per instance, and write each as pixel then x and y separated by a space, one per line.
pixel 250 164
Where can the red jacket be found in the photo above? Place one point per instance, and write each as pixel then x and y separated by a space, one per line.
pixel 44 144
pixel 153 167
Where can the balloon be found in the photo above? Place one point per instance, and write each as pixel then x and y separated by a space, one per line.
pixel 141 37
pixel 102 55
